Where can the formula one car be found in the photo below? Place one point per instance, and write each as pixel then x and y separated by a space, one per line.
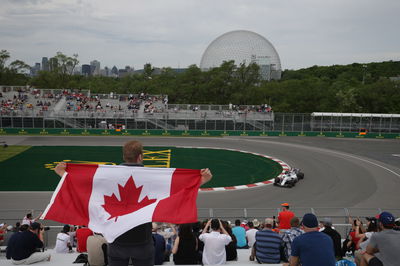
pixel 289 178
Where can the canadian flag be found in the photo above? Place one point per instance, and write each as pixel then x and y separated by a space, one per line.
pixel 112 199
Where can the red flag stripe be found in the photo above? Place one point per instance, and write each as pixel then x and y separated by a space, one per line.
pixel 71 203
pixel 180 207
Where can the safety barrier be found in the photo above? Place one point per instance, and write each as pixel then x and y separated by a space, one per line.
pixel 187 133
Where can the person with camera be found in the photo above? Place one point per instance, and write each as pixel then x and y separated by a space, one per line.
pixel 23 247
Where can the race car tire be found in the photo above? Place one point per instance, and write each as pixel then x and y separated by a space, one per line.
pixel 300 175
pixel 277 180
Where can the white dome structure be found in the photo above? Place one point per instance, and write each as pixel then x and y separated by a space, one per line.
pixel 246 47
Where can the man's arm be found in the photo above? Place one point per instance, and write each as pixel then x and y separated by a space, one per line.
pixel 205 176
pixel 294 261
pixel 205 230
pixel 60 169
pixel 371 250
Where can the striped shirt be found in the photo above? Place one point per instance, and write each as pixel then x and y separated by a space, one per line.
pixel 268 244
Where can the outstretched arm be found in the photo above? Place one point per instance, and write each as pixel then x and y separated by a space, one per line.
pixel 60 169
pixel 205 175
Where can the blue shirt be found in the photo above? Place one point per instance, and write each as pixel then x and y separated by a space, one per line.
pixel 240 234
pixel 313 249
pixel 22 245
pixel 268 244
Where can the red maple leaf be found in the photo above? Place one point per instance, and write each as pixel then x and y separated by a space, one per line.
pixel 129 202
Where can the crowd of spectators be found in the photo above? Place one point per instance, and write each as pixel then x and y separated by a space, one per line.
pixel 305 241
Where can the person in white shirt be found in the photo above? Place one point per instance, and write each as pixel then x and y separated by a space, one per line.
pixel 63 243
pixel 28 219
pixel 251 234
pixel 214 243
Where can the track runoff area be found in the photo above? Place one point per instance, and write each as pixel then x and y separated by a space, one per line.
pixel 235 169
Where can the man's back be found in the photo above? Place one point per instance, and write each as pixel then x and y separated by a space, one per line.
pixel 214 247
pixel 314 248
pixel 240 234
pixel 251 236
pixel 284 218
pixel 268 245
pixel 336 238
pixel 388 243
pixel 22 244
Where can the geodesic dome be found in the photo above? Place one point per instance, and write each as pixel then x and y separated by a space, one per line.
pixel 246 47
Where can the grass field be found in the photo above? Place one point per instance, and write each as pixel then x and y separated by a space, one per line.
pixel 30 170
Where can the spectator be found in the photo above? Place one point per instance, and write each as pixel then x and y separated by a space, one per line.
pixel 63 242
pixel 29 220
pixel 185 246
pixel 214 243
pixel 2 233
pixel 251 234
pixel 97 250
pixel 230 249
pixel 22 246
pixel 285 216
pixel 82 234
pixel 268 244
pixel 336 237
pixel 385 242
pixel 159 245
pixel 372 227
pixel 8 234
pixel 312 247
pixel 240 234
pixel 289 235
pixel 169 234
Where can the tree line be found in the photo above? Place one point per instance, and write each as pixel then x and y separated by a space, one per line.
pixel 355 88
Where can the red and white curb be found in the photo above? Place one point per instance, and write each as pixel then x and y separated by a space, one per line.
pixel 285 167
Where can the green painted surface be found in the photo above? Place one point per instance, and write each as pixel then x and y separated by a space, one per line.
pixel 27 171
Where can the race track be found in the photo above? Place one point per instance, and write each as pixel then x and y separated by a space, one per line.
pixel 351 173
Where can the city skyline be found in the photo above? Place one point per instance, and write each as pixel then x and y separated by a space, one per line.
pixel 176 33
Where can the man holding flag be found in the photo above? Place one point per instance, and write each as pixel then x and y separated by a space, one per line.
pixel 121 202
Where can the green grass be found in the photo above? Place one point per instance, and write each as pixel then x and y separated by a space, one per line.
pixel 10 151
pixel 26 171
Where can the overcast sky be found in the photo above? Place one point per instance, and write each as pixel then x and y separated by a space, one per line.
pixel 176 32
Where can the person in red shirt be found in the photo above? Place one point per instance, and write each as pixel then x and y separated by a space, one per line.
pixel 82 235
pixel 285 216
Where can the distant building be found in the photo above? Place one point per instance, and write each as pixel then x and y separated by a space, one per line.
pixel 114 71
pixel 53 64
pixel 246 47
pixel 45 64
pixel 86 70
pixel 95 67
pixel 35 69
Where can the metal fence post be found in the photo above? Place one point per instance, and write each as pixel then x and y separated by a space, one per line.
pixel 211 212
pixel 245 213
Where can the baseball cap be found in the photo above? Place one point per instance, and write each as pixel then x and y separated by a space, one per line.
pixel 326 221
pixel 256 223
pixel 386 218
pixel 285 204
pixel 309 220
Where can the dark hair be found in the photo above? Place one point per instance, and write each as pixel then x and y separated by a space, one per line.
pixel 237 222
pixel 250 224
pixel 287 207
pixel 372 226
pixel 23 227
pixel 215 224
pixel 186 231
pixel 29 215
pixel 227 227
pixel 66 228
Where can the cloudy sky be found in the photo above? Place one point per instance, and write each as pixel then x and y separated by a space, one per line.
pixel 176 32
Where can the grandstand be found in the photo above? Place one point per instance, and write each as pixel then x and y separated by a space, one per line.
pixel 25 107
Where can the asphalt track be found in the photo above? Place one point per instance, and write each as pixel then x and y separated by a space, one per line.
pixel 351 173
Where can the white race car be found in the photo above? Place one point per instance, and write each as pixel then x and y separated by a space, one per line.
pixel 289 178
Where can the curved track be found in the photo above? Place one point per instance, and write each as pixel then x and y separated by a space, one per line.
pixel 359 173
